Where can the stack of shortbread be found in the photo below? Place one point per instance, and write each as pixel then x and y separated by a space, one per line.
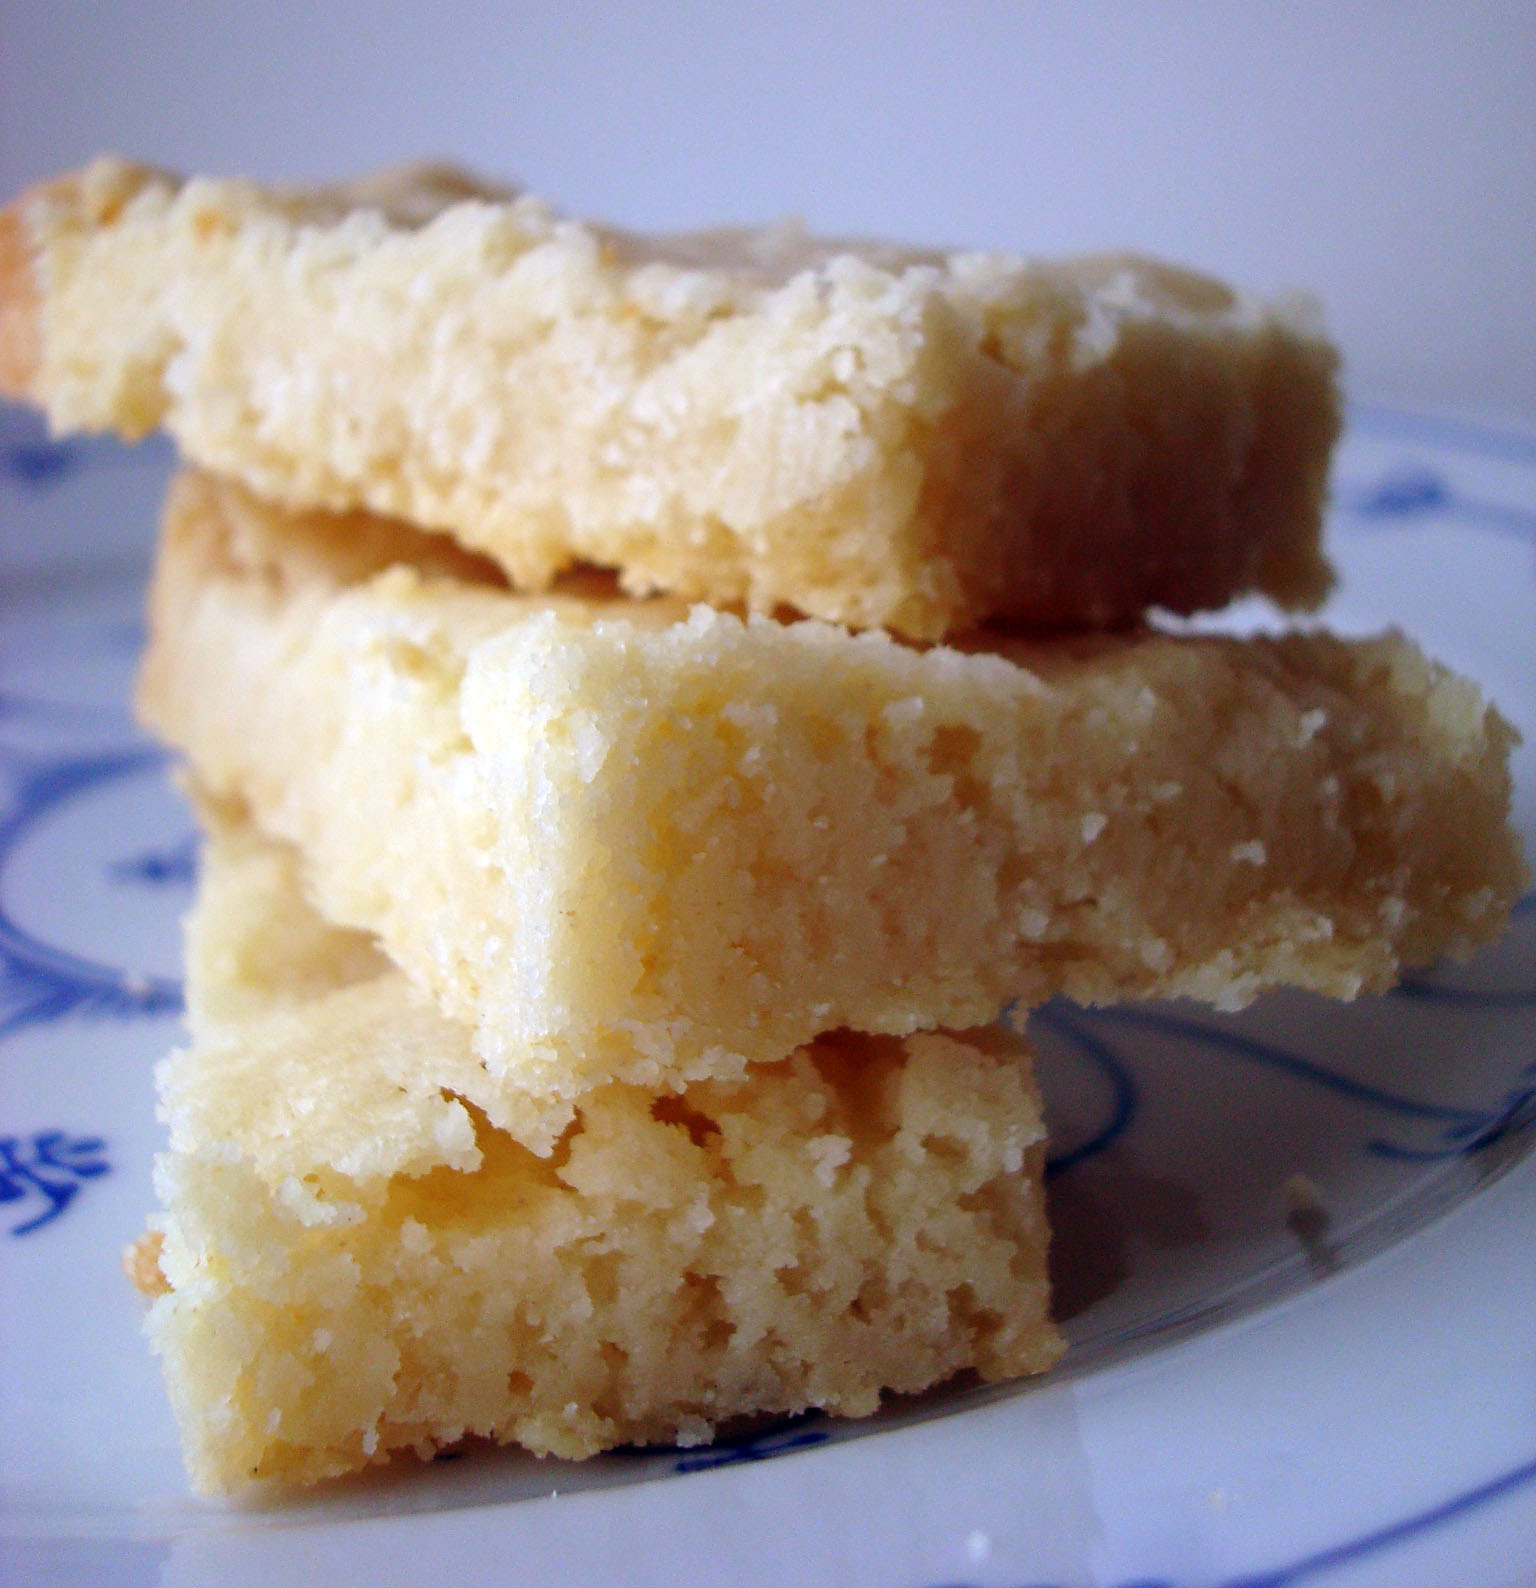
pixel 589 991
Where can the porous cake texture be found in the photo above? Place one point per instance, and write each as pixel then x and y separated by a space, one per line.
pixel 353 1262
pixel 869 434
pixel 629 841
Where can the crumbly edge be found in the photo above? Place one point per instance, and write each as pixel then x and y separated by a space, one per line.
pixel 942 439
pixel 21 335
pixel 339 1277
pixel 612 835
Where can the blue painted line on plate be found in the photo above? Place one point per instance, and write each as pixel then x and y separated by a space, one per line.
pixel 48 1166
pixel 1405 496
pixel 159 867
pixel 1067 1024
pixel 1380 421
pixel 1350 1553
pixel 1293 1064
pixel 41 982
pixel 1417 991
pixel 778 1441
pixel 1514 1118
pixel 1357 1549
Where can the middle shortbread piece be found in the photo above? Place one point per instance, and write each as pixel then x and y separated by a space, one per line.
pixel 626 841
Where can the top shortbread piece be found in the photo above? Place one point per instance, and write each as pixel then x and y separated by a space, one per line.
pixel 868 434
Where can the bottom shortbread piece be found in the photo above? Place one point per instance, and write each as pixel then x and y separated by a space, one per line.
pixel 354 1262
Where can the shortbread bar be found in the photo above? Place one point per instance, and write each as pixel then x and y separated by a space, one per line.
pixel 353 1262
pixel 629 841
pixel 868 434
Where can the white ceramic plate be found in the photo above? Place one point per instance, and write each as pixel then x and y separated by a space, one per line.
pixel 1255 1395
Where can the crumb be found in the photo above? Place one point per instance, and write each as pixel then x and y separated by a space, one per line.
pixel 1304 1201
pixel 141 1263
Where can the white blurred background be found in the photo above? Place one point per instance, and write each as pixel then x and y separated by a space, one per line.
pixel 1382 154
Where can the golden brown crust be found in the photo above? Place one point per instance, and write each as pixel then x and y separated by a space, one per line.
pixel 141 1263
pixel 21 338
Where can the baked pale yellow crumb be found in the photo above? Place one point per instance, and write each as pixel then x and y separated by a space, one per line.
pixel 874 435
pixel 628 841
pixel 355 1262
